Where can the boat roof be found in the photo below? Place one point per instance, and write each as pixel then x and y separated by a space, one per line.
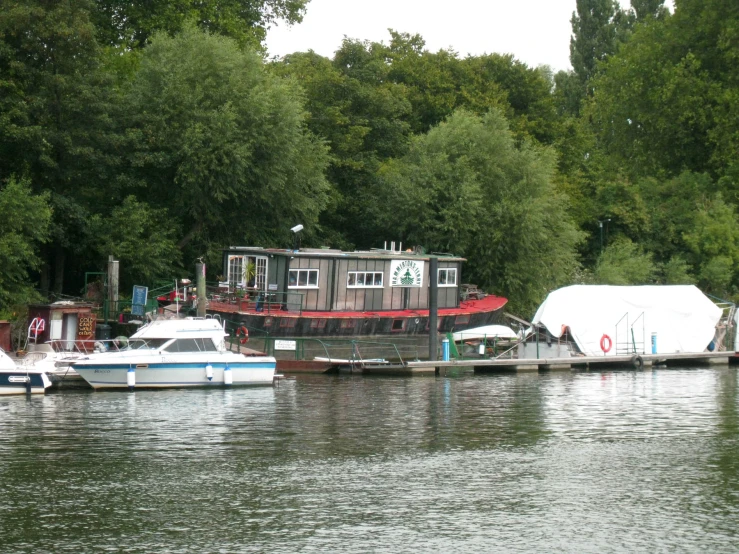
pixel 374 253
pixel 190 327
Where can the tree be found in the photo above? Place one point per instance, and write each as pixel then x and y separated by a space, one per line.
pixel 714 244
pixel 24 225
pixel 131 24
pixel 142 238
pixel 466 187
pixel 221 144
pixel 624 263
pixel 668 101
pixel 55 118
pixel 594 36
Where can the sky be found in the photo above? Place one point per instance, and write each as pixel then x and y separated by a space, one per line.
pixel 536 32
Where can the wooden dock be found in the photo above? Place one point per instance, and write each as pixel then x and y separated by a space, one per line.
pixel 636 361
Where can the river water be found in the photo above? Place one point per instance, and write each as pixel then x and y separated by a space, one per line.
pixel 613 461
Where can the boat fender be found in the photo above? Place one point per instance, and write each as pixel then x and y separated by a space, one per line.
pixel 228 378
pixel 606 343
pixel 243 332
pixel 209 372
pixel 637 362
pixel 131 377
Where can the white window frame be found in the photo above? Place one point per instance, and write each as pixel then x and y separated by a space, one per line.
pixel 365 285
pixel 308 271
pixel 234 262
pixel 446 270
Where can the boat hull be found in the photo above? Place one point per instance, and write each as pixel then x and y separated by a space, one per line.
pixel 17 382
pixel 392 323
pixel 255 372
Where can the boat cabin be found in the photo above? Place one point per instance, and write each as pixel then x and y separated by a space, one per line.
pixel 63 322
pixel 327 280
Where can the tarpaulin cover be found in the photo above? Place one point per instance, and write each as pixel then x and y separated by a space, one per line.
pixel 683 318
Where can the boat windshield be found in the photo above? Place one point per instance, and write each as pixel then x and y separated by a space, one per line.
pixel 150 344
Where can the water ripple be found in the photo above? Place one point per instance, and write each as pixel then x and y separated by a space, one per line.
pixel 615 461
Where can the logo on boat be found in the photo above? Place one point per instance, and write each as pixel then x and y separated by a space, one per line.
pixel 16 379
pixel 406 273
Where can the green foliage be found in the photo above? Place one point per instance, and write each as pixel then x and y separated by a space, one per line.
pixel 222 144
pixel 56 125
pixel 24 224
pixel 594 36
pixel 466 187
pixel 624 263
pixel 714 244
pixel 142 239
pixel 677 271
pixel 131 24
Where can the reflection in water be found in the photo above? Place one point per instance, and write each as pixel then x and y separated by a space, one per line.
pixel 587 462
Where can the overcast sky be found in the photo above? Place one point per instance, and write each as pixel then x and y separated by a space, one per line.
pixel 536 32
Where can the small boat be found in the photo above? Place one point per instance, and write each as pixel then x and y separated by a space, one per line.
pixel 172 353
pixel 19 379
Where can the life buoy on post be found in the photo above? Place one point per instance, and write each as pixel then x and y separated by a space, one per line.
pixel 605 344
pixel 243 333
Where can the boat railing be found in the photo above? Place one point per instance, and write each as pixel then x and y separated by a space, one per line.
pixel 84 347
pixel 255 300
pixel 358 353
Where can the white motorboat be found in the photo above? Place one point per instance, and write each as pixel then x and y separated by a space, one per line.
pixel 170 353
pixel 15 379
pixel 55 362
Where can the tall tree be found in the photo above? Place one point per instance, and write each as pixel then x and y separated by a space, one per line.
pixel 24 225
pixel 466 187
pixel 55 124
pixel 594 36
pixel 132 23
pixel 667 102
pixel 222 145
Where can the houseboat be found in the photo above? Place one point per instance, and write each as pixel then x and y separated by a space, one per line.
pixel 326 292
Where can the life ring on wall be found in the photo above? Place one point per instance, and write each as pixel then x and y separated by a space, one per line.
pixel 606 343
pixel 243 333
pixel 37 327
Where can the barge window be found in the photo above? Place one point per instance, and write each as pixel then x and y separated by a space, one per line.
pixel 235 270
pixel 398 325
pixel 303 279
pixel 447 277
pixel 364 279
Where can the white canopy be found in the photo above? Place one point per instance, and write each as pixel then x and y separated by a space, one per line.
pixel 683 318
pixel 487 331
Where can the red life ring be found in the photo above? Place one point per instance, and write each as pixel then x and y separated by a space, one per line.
pixel 243 332
pixel 37 327
pixel 605 343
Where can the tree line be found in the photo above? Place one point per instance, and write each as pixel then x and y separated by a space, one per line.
pixel 159 132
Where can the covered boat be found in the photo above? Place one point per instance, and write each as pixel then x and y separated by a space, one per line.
pixel 617 320
pixel 173 353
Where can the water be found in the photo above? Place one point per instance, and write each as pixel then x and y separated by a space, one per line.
pixel 574 462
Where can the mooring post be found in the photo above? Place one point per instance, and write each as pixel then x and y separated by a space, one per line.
pixel 200 284
pixel 433 307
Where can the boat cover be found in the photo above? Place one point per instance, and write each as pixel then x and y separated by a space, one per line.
pixel 487 331
pixel 683 318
